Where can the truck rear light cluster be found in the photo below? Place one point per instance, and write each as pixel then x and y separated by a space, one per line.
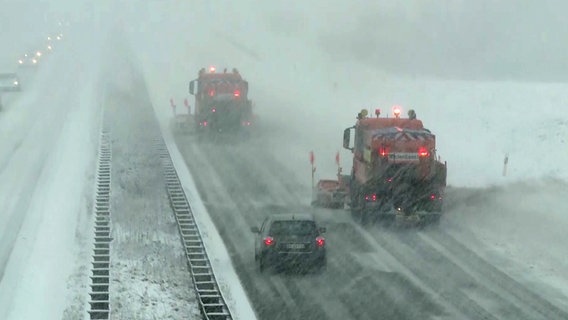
pixel 320 242
pixel 371 197
pixel 434 196
pixel 268 241
pixel 423 152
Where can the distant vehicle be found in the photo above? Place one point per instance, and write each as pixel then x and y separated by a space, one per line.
pixel 330 193
pixel 221 101
pixel 30 59
pixel 9 82
pixel 292 240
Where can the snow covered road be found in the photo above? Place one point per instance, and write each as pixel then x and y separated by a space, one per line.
pixel 402 274
pixel 47 152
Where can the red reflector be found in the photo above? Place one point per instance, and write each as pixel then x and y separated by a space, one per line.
pixel 237 93
pixel 423 152
pixel 320 241
pixel 268 241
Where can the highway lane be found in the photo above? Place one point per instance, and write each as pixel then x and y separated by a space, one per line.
pixel 372 272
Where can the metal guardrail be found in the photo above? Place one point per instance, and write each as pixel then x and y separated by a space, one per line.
pixel 211 301
pixel 100 302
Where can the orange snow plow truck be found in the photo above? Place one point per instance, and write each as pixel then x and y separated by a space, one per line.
pixel 395 174
pixel 221 101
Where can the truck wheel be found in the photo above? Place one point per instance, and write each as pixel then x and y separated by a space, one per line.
pixel 262 264
pixel 320 266
pixel 360 216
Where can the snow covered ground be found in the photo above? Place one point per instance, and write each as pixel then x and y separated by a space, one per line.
pixel 49 135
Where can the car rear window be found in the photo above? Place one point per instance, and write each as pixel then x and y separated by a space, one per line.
pixel 295 227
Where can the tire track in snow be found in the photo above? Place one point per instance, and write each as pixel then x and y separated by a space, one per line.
pixel 242 180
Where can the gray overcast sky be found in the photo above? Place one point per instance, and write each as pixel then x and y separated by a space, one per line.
pixel 465 39
pixel 481 39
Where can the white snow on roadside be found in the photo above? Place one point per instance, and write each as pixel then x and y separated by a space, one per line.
pixel 229 283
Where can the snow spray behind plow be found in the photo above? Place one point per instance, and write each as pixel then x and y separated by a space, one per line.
pixel 212 304
pixel 100 304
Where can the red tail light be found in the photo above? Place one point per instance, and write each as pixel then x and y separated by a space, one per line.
pixel 320 241
pixel 205 123
pixel 211 92
pixel 434 196
pixel 423 152
pixel 383 152
pixel 237 93
pixel 268 241
pixel 371 197
pixel 213 110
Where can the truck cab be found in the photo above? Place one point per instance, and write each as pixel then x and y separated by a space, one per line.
pixel 221 100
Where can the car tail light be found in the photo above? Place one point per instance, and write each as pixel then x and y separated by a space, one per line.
pixel 383 152
pixel 371 197
pixel 211 92
pixel 423 152
pixel 268 241
pixel 205 123
pixel 213 110
pixel 320 241
pixel 237 93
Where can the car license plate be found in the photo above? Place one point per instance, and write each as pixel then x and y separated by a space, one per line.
pixel 295 246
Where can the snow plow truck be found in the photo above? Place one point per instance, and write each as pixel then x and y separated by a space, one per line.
pixel 221 101
pixel 396 175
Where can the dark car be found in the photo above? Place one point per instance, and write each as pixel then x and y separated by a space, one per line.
pixel 291 240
